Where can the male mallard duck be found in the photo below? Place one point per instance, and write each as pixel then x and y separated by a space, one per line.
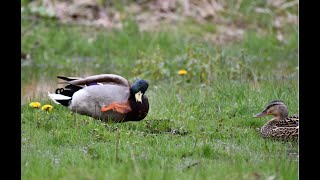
pixel 281 126
pixel 105 97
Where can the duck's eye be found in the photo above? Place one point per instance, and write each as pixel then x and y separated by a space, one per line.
pixel 271 111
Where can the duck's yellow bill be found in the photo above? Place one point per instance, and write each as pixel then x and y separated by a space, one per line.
pixel 138 96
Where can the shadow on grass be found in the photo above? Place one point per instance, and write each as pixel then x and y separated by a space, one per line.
pixel 154 126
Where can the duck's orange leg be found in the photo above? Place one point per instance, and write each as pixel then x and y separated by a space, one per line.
pixel 118 107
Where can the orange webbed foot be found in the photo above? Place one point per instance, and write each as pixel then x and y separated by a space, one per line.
pixel 122 108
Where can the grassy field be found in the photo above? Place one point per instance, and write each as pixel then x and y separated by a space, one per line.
pixel 199 126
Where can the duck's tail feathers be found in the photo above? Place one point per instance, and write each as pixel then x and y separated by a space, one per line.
pixel 60 99
pixel 68 78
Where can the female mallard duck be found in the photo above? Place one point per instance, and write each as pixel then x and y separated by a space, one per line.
pixel 105 96
pixel 281 126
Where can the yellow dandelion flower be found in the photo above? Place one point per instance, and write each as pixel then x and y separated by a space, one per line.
pixel 182 72
pixel 35 104
pixel 47 107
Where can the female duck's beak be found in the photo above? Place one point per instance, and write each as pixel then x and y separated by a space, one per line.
pixel 263 113
pixel 138 96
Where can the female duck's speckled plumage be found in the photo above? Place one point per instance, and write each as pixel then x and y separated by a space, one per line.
pixel 105 96
pixel 281 126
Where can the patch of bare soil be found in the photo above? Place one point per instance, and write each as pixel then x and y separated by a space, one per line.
pixel 151 15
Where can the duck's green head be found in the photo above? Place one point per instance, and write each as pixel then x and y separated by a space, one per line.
pixel 139 88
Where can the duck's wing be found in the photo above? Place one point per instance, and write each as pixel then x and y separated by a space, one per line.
pixel 74 84
pixel 295 117
pixel 97 79
pixel 292 121
pixel 69 78
pixel 285 132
